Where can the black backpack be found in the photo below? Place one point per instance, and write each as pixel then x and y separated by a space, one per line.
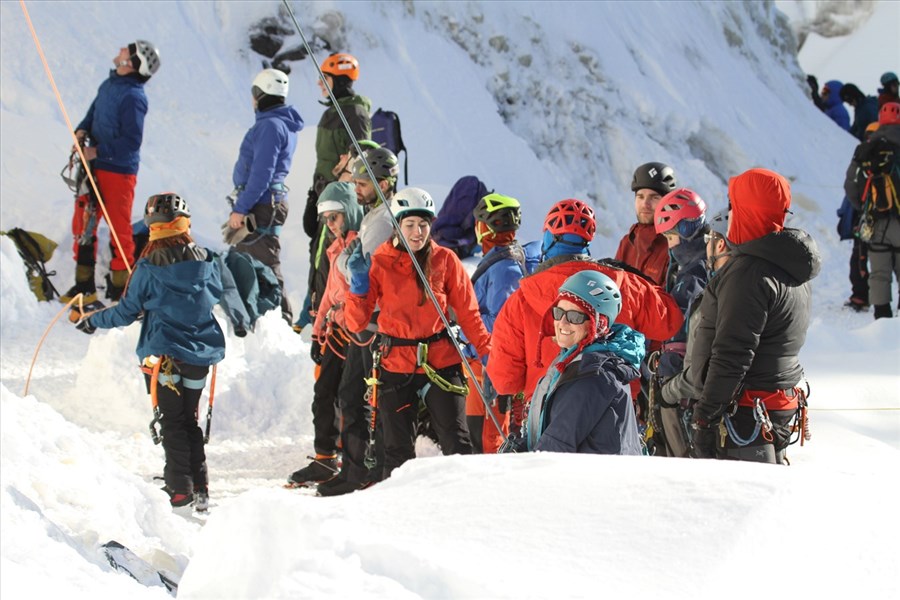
pixel 879 161
pixel 35 250
pixel 386 131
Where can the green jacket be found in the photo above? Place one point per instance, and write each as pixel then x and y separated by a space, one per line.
pixel 332 139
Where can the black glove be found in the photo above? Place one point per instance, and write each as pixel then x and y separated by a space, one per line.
pixel 82 322
pixel 315 351
pixel 703 439
pixel 513 444
pixel 504 403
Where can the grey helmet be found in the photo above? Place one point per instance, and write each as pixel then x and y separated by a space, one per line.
pixel 656 176
pixel 165 208
pixel 383 162
pixel 144 57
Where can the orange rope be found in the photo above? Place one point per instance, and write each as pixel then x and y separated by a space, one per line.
pixel 77 298
pixel 77 146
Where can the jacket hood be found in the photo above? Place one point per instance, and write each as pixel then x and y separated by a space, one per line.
pixel 834 93
pixel 759 201
pixel 793 250
pixel 292 119
pixel 344 194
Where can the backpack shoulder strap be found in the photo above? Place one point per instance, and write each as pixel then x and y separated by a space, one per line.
pixel 513 251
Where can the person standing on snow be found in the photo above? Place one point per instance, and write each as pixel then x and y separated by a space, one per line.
pixel 263 163
pixel 865 109
pixel 497 276
pixel 332 141
pixel 834 108
pixel 583 403
pixel 418 358
pixel 753 321
pixel 112 130
pixel 889 90
pixel 515 364
pixel 174 285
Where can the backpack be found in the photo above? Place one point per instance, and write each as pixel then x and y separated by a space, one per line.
pixel 454 227
pixel 879 162
pixel 386 131
pixel 35 249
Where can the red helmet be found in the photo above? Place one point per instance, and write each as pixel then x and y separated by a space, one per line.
pixel 682 208
pixel 571 216
pixel 889 114
pixel 342 64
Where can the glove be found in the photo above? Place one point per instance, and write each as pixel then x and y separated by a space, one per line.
pixel 315 351
pixel 504 403
pixel 703 439
pixel 514 443
pixel 82 321
pixel 358 264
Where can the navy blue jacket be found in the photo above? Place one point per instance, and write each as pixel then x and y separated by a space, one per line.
pixel 863 115
pixel 115 122
pixel 177 301
pixel 264 159
pixel 688 261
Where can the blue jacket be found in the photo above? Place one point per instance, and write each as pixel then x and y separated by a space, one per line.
pixel 115 122
pixel 264 159
pixel 685 281
pixel 177 302
pixel 863 115
pixel 834 107
pixel 588 408
pixel 497 282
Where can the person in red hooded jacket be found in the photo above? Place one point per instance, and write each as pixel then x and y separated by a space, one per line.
pixel 519 357
pixel 418 358
pixel 753 321
pixel 642 248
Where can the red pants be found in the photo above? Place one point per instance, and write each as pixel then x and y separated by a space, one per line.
pixel 491 439
pixel 117 191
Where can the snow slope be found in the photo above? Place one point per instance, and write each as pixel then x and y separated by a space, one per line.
pixel 541 100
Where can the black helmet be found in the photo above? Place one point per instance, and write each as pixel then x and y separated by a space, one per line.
pixel 383 162
pixel 656 176
pixel 500 213
pixel 165 208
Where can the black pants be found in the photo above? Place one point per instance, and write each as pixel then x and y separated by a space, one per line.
pixel 398 405
pixel 182 438
pixel 760 449
pixel 265 246
pixel 859 270
pixel 356 414
pixel 326 413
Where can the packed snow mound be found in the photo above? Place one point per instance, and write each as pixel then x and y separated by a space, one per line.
pixel 826 18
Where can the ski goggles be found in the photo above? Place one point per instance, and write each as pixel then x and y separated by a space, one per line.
pixel 575 317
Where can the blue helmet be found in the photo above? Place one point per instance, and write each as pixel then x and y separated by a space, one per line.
pixel 596 289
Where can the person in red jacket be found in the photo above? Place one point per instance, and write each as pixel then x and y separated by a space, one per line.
pixel 642 248
pixel 418 358
pixel 519 357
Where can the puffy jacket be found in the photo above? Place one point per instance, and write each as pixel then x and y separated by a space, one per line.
pixel 406 314
pixel 588 408
pixel 265 155
pixel 177 302
pixel 834 107
pixel 336 289
pixel 516 346
pixel 646 251
pixel 332 139
pixel 753 319
pixel 115 121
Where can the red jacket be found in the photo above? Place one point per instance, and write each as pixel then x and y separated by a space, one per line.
pixel 336 288
pixel 513 362
pixel 404 312
pixel 646 251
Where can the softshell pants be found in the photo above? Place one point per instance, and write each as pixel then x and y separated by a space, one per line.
pixel 117 191
pixel 884 264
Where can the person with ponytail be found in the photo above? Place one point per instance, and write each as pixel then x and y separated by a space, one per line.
pixel 583 403
pixel 174 285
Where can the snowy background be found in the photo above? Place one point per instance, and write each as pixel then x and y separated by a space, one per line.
pixel 542 101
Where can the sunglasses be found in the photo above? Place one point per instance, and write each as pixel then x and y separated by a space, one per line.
pixel 331 218
pixel 572 316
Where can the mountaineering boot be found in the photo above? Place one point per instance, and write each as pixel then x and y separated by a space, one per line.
pixel 115 284
pixel 84 284
pixel 340 488
pixel 883 311
pixel 201 500
pixel 317 471
pixel 857 304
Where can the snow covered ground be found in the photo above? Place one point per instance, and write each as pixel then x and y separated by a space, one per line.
pixel 543 101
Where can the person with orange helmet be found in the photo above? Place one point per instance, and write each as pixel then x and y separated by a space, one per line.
pixel 340 71
pixel 872 185
pixel 519 357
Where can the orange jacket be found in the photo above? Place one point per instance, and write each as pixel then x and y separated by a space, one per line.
pixel 646 251
pixel 406 314
pixel 513 362
pixel 336 288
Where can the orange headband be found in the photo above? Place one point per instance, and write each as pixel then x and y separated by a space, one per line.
pixel 159 231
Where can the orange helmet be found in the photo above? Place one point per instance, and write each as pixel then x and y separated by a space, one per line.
pixel 342 64
pixel 889 114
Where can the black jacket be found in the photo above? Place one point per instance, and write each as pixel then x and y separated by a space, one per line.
pixel 753 320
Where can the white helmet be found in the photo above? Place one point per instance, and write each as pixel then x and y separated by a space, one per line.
pixel 272 82
pixel 147 56
pixel 412 201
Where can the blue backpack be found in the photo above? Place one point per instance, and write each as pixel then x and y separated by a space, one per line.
pixel 454 227
pixel 386 131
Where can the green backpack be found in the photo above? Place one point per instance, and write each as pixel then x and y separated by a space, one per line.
pixel 35 249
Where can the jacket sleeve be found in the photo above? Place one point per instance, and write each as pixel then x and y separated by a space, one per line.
pixel 88 121
pixel 358 309
pixel 132 111
pixel 507 365
pixel 129 307
pixel 461 297
pixel 266 146
pixel 652 311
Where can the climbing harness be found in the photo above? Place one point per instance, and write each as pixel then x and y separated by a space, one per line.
pixel 161 371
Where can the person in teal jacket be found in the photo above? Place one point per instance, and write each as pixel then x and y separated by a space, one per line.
pixel 174 285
